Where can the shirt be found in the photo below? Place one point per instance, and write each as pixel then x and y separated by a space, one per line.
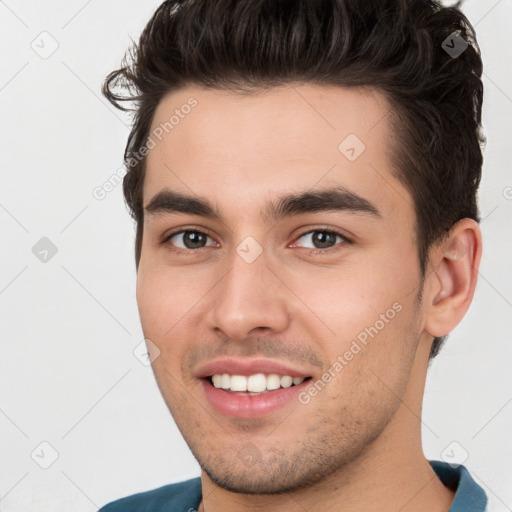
pixel 186 496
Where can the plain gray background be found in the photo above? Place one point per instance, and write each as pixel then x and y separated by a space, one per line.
pixel 69 324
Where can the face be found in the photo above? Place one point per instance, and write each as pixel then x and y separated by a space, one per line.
pixel 278 279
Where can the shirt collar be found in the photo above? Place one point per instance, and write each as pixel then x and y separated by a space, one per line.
pixel 469 496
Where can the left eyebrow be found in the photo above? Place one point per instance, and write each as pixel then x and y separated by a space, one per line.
pixel 330 199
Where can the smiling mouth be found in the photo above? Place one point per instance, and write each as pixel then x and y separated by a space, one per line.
pixel 252 385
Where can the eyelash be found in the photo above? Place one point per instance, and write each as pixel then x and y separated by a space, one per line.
pixel 328 250
pixel 190 252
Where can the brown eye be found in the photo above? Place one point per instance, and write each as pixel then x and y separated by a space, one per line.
pixel 320 239
pixel 189 239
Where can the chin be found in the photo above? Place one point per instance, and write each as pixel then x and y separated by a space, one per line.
pixel 242 483
pixel 276 475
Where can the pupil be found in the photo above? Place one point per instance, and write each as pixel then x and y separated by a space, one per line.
pixel 193 239
pixel 321 239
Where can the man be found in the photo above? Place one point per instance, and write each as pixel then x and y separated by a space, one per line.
pixel 303 176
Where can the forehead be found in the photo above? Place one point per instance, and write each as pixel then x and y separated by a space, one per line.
pixel 237 149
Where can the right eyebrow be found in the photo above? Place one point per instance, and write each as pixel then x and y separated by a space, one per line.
pixel 168 201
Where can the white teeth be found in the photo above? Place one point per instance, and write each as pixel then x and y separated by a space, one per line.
pixel 257 383
pixel 225 381
pixel 273 381
pixel 238 383
pixel 286 381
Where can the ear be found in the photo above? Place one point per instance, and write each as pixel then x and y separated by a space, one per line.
pixel 451 280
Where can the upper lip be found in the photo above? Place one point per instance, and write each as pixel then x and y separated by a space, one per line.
pixel 248 367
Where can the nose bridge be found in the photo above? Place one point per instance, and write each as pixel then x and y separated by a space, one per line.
pixel 249 296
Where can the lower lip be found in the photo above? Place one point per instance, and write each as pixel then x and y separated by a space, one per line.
pixel 247 406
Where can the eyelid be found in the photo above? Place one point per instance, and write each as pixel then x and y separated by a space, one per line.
pixel 181 229
pixel 166 238
pixel 324 229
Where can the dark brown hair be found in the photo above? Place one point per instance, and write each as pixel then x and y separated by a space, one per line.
pixel 406 49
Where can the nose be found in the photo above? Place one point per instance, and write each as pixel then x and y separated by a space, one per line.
pixel 248 300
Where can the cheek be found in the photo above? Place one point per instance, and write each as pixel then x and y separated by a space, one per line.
pixel 171 308
pixel 345 301
pixel 367 319
pixel 369 370
pixel 165 302
pixel 165 297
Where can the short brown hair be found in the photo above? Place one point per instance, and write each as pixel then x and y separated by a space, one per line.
pixel 424 57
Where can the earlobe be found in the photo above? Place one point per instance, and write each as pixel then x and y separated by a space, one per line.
pixel 453 279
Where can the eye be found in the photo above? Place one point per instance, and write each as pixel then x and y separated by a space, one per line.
pixel 319 239
pixel 189 239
